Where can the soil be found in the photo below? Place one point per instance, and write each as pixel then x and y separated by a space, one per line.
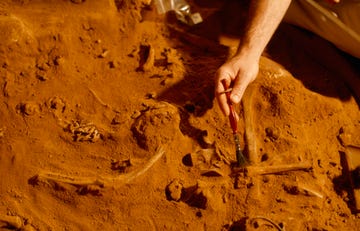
pixel 109 122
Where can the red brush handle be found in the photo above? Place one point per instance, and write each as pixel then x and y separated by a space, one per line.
pixel 232 115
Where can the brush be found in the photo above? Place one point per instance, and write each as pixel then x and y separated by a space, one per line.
pixel 241 160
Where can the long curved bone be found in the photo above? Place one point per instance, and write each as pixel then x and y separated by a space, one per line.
pixel 101 181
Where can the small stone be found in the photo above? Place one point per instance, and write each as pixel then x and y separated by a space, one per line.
pixel 104 53
pixel 120 165
pixel 117 120
pixel 57 104
pixel 207 139
pixel 28 108
pixel 41 75
pixel 151 95
pixel 174 190
pixel 59 60
pixel 272 133
pixel 345 136
pixel 136 114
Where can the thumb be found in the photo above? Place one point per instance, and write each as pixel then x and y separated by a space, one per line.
pixel 237 92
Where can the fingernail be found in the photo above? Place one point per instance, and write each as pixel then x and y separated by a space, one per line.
pixel 235 98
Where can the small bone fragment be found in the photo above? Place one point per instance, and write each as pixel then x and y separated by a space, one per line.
pixel 14 222
pixel 102 102
pixel 98 98
pixel 278 169
pixel 100 181
pixel 126 178
pixel 310 192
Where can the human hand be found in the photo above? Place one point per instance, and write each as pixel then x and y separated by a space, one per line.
pixel 237 73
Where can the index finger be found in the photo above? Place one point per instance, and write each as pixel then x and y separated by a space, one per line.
pixel 219 94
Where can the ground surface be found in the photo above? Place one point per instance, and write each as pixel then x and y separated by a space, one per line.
pixel 108 122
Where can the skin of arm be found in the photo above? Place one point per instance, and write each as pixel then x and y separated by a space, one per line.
pixel 243 67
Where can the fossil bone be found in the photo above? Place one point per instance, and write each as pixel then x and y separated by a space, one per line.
pixel 101 181
pixel 277 169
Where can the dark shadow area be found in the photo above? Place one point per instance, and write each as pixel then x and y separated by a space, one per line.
pixel 320 66
pixel 239 225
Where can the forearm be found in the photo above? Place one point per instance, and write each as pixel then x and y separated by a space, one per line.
pixel 264 18
pixel 242 69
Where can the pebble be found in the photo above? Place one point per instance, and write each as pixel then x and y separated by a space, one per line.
pixel 104 53
pixel 28 108
pixel 136 114
pixel 272 133
pixel 174 190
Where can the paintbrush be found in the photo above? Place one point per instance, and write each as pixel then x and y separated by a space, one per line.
pixel 241 160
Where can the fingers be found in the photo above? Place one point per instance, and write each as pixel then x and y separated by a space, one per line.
pixel 238 90
pixel 235 75
pixel 219 89
pixel 241 82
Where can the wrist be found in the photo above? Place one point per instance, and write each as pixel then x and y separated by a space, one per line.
pixel 248 52
pixel 247 57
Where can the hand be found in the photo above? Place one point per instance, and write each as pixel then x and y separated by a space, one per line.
pixel 238 73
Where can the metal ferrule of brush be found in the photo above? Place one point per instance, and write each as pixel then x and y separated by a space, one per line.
pixel 239 155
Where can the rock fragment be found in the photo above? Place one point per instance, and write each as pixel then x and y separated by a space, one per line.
pixel 174 190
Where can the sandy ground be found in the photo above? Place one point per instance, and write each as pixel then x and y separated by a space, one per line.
pixel 109 122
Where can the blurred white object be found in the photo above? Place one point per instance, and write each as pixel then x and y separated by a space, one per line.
pixel 181 9
pixel 337 23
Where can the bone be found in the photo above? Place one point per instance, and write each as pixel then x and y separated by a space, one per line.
pixel 76 181
pixel 101 181
pixel 107 106
pixel 251 142
pixel 253 223
pixel 14 222
pixel 126 178
pixel 250 137
pixel 310 191
pixel 277 169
